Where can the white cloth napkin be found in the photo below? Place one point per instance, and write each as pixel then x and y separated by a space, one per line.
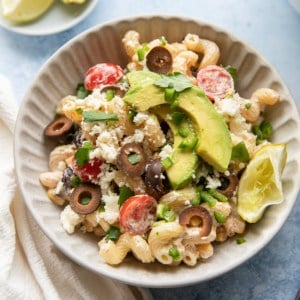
pixel 30 266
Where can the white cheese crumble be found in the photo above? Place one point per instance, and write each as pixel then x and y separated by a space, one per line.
pixel 137 137
pixel 165 151
pixel 70 219
pixel 213 183
pixel 111 208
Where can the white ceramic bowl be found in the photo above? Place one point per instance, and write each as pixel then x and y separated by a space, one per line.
pixel 59 77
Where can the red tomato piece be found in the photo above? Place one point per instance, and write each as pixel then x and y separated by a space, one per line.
pixel 102 74
pixel 89 171
pixel 138 213
pixel 215 81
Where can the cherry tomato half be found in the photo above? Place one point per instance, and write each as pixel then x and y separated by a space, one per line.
pixel 215 81
pixel 138 213
pixel 89 171
pixel 102 74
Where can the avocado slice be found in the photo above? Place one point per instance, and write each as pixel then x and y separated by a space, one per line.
pixel 214 144
pixel 185 162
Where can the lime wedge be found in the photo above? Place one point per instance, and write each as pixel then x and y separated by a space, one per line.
pixel 21 11
pixel 260 184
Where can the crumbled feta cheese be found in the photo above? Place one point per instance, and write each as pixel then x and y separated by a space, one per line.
pixel 213 183
pixel 111 207
pixel 70 219
pixel 140 118
pixel 137 137
pixel 165 151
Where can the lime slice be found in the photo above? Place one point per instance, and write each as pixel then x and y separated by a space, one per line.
pixel 21 11
pixel 260 184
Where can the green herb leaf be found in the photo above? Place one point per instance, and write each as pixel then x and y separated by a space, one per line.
pixel 94 116
pixel 177 81
pixel 81 91
pixel 174 253
pixel 125 193
pixel 233 72
pixel 82 155
pixel 240 152
pixel 75 181
pixel 134 158
pixel 113 233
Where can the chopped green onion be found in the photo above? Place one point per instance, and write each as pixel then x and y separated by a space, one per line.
pixel 240 152
pixel 131 114
pixel 94 116
pixel 125 193
pixel 167 163
pixel 219 218
pixel 248 105
pixel 197 200
pixel 110 94
pixel 112 233
pixel 174 253
pixel 163 40
pixel 134 158
pixel 266 129
pixel 184 131
pixel 79 110
pixel 217 195
pixel 188 143
pixel 165 213
pixel 240 240
pixel 209 199
pixel 177 117
pixel 85 200
pixel 170 94
pixel 141 54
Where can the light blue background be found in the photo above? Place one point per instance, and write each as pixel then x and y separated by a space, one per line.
pixel 273 28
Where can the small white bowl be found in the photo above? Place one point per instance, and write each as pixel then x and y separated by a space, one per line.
pixel 58 18
pixel 59 77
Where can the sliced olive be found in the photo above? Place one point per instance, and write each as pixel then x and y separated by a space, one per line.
pixel 196 216
pixel 154 179
pixel 85 198
pixel 159 60
pixel 229 185
pixel 59 128
pixel 132 159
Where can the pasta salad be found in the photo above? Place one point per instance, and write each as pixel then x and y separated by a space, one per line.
pixel 163 159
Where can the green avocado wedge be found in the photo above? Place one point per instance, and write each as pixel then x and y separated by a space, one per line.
pixel 214 141
pixel 184 161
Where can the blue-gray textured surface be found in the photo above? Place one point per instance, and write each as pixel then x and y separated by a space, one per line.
pixel 273 28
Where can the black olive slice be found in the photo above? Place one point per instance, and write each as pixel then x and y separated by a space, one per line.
pixel 154 179
pixel 230 184
pixel 59 128
pixel 159 60
pixel 196 216
pixel 132 159
pixel 85 198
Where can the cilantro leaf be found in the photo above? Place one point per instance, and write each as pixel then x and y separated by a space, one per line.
pixel 112 233
pixel 125 193
pixel 82 155
pixel 94 116
pixel 177 81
